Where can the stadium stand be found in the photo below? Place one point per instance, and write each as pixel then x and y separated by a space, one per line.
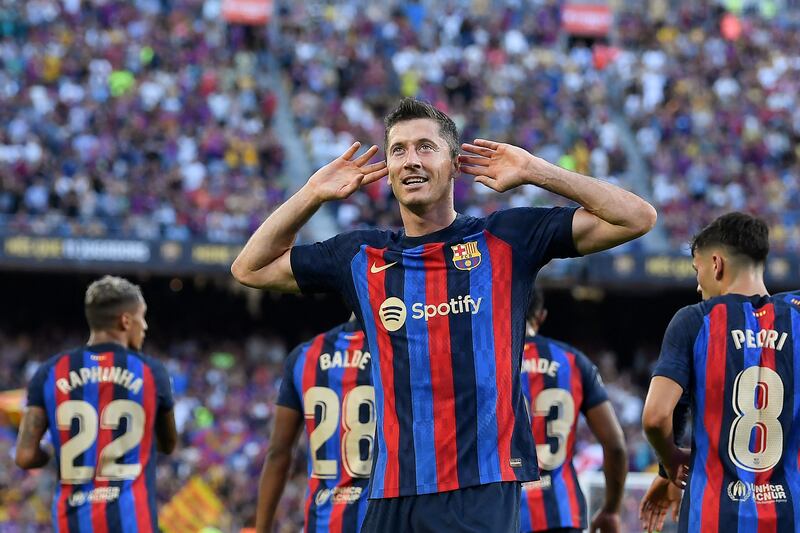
pixel 134 119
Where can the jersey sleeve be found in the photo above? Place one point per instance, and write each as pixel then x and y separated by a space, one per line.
pixel 675 360
pixel 324 266
pixel 163 385
pixel 540 233
pixel 594 392
pixel 36 386
pixel 288 395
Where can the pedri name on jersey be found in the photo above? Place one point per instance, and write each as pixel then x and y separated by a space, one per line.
pixel 344 359
pixel 765 338
pixel 98 374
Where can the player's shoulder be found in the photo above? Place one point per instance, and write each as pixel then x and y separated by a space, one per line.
pixel 54 359
pixel 151 361
pixel 791 298
pixel 514 214
pixel 694 314
pixel 374 237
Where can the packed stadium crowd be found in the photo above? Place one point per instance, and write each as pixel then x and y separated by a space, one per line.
pixel 225 394
pixel 153 119
pixel 713 103
pixel 140 119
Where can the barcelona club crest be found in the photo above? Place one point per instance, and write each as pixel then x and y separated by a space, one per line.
pixel 466 256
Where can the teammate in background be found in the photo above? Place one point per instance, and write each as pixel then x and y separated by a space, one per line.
pixel 326 383
pixel 108 408
pixel 737 355
pixel 442 303
pixel 558 382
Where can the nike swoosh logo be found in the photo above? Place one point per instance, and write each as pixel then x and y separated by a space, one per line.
pixel 377 269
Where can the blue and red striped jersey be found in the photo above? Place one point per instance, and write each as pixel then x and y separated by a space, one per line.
pixel 328 379
pixel 558 382
pixel 101 402
pixel 738 357
pixel 444 316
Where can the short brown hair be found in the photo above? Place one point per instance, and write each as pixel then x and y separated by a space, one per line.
pixel 412 109
pixel 742 234
pixel 107 298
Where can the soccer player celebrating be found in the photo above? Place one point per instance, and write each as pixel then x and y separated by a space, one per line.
pixel 327 382
pixel 108 408
pixel 735 355
pixel 442 303
pixel 558 382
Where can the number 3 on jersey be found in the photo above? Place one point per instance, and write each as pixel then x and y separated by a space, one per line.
pixel 354 429
pixel 558 428
pixel 756 438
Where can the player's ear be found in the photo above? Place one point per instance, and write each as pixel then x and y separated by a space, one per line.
pixel 719 266
pixel 125 320
pixel 542 316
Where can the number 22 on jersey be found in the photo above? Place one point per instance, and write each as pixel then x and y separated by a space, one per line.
pixel 354 429
pixel 89 425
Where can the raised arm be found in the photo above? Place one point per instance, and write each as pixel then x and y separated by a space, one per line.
pixel 609 216
pixel 605 426
pixel 31 430
pixel 288 424
pixel 264 262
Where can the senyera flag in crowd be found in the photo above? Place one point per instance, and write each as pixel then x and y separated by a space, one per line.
pixel 193 508
pixel 253 12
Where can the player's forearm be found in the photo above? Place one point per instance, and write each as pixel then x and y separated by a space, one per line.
pixel 615 469
pixel 608 202
pixel 270 488
pixel 274 237
pixel 32 458
pixel 659 434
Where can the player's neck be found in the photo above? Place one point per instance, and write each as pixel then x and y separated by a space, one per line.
pixel 105 337
pixel 748 283
pixel 427 220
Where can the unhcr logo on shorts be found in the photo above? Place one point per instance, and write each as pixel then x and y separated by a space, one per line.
pixel 393 313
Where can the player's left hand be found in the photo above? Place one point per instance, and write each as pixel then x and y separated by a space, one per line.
pixel 499 166
pixel 605 522
pixel 662 496
pixel 678 466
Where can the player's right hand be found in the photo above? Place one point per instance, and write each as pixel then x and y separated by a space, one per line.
pixel 344 175
pixel 662 496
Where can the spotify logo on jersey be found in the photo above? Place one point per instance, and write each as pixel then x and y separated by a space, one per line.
pixel 393 313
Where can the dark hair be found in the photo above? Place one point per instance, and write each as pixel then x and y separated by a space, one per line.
pixel 537 303
pixel 741 233
pixel 107 298
pixel 411 109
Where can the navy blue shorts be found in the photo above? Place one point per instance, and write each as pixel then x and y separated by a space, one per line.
pixel 492 508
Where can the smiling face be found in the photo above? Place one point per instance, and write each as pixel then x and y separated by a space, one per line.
pixel 421 169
